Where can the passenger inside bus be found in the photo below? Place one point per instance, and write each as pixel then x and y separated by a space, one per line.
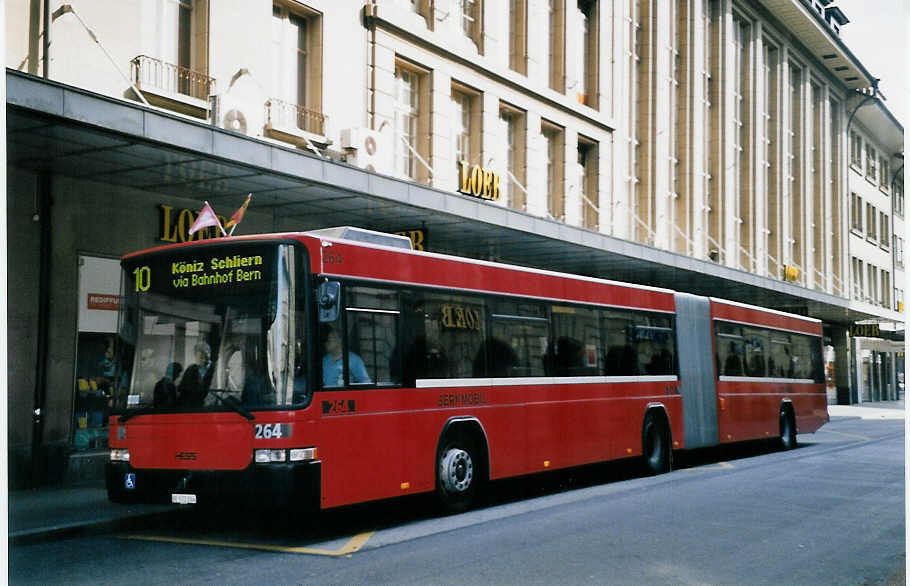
pixel 165 394
pixel 194 385
pixel 333 365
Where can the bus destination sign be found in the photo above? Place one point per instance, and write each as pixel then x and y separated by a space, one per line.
pixel 244 269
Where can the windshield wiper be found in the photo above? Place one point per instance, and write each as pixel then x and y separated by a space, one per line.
pixel 232 404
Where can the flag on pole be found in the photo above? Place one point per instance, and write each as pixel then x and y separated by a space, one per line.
pixel 238 215
pixel 205 219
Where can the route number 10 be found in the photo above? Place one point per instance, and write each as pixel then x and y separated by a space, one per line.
pixel 143 276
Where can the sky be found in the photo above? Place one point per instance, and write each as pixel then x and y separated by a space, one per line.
pixel 876 36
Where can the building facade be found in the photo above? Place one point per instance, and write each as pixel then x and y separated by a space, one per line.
pixel 712 134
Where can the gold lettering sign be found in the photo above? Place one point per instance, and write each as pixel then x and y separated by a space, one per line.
pixel 865 330
pixel 478 182
pixel 418 238
pixel 175 225
pixel 458 317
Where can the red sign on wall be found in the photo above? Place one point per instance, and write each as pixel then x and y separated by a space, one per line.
pixel 103 301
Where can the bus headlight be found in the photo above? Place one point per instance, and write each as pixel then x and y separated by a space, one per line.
pixel 266 456
pixel 120 455
pixel 292 455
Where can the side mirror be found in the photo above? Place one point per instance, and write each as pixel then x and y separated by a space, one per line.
pixel 328 296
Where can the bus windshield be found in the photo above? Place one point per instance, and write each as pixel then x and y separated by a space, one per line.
pixel 211 328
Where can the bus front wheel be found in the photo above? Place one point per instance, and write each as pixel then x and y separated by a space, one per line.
pixel 457 475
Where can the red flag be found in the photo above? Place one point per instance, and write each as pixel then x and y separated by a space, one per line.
pixel 205 219
pixel 238 215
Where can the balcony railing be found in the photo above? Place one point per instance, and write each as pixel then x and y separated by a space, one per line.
pixel 281 115
pixel 154 74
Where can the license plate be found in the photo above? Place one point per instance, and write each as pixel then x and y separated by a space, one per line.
pixel 183 499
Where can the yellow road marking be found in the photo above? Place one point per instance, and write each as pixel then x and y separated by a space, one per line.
pixel 352 546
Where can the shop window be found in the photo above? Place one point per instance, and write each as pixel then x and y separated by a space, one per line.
pixel 96 368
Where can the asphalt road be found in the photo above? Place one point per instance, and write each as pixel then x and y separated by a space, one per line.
pixel 829 512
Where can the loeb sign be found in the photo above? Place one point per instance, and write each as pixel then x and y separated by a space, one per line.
pixel 478 182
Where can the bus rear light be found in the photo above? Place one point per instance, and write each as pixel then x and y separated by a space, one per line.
pixel 300 454
pixel 120 455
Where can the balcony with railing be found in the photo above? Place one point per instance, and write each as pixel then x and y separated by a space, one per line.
pixel 172 86
pixel 293 122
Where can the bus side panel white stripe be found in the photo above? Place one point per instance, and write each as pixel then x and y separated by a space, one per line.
pixel 538 380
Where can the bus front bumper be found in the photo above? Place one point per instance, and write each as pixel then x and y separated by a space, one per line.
pixel 291 485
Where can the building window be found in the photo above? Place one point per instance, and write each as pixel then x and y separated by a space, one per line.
pixel 516 130
pixel 296 99
pixel 770 140
pixel 470 16
pixel 871 162
pixel 871 220
pixel 588 183
pixel 899 198
pixel 556 26
pixel 793 183
pixel 412 140
pixel 856 150
pixel 884 173
pixel 741 152
pixel 886 289
pixel 556 199
pixel 856 212
pixel 898 299
pixel 467 107
pixel 181 48
pixel 587 67
pixel 884 230
pixel 518 36
pixel 857 270
pixel 898 251
pixel 872 292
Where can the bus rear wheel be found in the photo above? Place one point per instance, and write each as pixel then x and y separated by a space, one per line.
pixel 457 475
pixel 787 429
pixel 656 453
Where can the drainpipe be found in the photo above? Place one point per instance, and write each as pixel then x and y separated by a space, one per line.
pixel 41 361
pixel 45 58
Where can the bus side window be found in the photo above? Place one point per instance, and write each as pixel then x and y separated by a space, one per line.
pixel 372 336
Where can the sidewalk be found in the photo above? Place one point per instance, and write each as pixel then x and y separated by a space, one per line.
pixel 58 511
pixel 877 410
pixel 51 512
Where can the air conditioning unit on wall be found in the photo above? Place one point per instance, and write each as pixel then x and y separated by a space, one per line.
pixel 369 149
pixel 241 108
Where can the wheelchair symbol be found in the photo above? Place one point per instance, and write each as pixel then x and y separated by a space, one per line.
pixel 129 481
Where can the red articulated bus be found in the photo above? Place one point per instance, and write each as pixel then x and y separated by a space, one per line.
pixel 325 368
